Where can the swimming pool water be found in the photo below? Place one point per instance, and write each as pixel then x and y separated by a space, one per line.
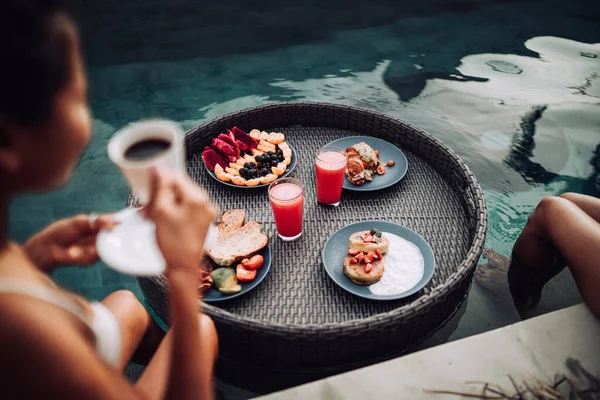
pixel 512 86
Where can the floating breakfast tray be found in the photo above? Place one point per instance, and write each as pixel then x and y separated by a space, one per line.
pixel 298 318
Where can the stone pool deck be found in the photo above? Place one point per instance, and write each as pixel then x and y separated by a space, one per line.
pixel 563 342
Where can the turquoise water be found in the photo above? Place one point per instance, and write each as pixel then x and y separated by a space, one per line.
pixel 512 87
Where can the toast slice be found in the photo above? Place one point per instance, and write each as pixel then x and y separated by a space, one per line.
pixel 357 274
pixel 235 240
pixel 357 243
pixel 231 220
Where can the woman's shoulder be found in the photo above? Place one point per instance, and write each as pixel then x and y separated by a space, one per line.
pixel 26 302
pixel 22 311
pixel 42 345
pixel 36 332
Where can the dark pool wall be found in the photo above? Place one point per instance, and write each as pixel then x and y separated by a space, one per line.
pixel 120 31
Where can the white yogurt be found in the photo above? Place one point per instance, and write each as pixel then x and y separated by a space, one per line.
pixel 403 267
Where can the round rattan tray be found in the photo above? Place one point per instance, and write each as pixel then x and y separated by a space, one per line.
pixel 298 318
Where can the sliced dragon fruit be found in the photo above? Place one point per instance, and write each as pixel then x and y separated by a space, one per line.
pixel 224 147
pixel 230 140
pixel 244 141
pixel 212 158
pixel 240 145
pixel 225 156
pixel 230 134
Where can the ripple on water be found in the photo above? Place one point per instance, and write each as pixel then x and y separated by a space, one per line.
pixel 588 55
pixel 505 67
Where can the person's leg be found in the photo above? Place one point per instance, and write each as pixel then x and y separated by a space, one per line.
pixel 154 380
pixel 140 335
pixel 590 205
pixel 557 232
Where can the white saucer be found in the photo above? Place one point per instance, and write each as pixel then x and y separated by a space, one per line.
pixel 131 247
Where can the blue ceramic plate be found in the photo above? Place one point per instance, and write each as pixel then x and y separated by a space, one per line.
pixel 336 249
pixel 213 295
pixel 387 151
pixel 289 171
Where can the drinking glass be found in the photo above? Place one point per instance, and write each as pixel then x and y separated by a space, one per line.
pixel 287 201
pixel 330 164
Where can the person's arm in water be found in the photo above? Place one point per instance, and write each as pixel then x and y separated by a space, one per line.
pixel 69 241
pixel 39 344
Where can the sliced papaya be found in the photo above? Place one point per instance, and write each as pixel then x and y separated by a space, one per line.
pixel 235 166
pixel 224 176
pixel 255 134
pixel 268 178
pixel 238 180
pixel 219 169
pixel 232 171
pixel 253 182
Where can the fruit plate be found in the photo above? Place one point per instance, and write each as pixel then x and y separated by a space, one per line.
pixel 213 295
pixel 336 249
pixel 262 185
pixel 387 151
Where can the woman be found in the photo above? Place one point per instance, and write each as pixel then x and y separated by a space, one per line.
pixel 54 344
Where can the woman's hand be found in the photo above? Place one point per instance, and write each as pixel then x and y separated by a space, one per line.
pixel 182 213
pixel 67 241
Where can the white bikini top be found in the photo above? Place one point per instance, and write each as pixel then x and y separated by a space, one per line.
pixel 102 322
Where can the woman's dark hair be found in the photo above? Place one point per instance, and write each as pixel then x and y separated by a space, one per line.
pixel 34 59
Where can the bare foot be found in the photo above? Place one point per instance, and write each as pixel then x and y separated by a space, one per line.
pixel 493 276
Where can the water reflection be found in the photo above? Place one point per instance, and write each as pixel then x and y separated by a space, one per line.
pixel 521 150
pixel 546 79
pixel 364 89
pixel 507 115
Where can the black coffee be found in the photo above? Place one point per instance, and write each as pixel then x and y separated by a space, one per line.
pixel 146 149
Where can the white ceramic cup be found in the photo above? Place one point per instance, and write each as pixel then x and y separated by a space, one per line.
pixel 137 172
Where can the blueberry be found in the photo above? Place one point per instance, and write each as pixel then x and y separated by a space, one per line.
pixel 243 172
pixel 279 152
pixel 274 163
pixel 264 172
pixel 274 157
pixel 252 173
pixel 252 165
pixel 270 153
pixel 248 165
pixel 281 158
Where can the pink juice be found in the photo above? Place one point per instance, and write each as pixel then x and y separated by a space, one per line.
pixel 331 168
pixel 287 202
